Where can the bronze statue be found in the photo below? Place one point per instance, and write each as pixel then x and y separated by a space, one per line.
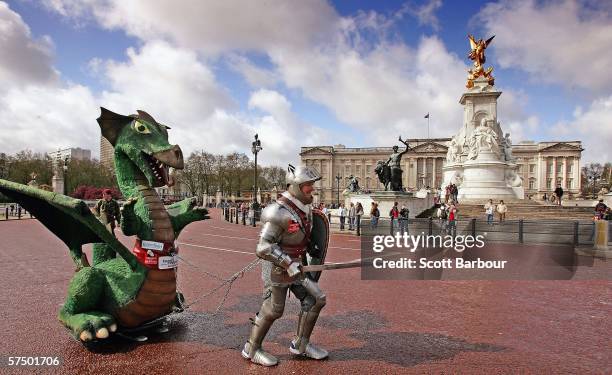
pixel 394 166
pixel 477 54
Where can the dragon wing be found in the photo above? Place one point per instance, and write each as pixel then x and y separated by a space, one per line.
pixel 68 218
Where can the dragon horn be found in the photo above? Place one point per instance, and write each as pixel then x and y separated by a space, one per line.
pixel 111 124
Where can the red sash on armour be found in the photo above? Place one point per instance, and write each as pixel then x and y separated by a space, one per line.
pixel 298 249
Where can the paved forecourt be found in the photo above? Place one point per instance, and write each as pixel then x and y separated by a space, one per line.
pixel 367 326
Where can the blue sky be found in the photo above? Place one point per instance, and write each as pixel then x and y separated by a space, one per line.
pixel 301 73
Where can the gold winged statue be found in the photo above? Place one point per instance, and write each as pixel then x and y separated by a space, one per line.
pixel 477 54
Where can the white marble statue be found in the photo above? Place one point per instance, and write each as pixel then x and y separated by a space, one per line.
pixel 483 139
pixel 507 144
pixel 513 179
pixel 453 153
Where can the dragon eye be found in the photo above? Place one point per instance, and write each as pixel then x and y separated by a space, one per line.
pixel 141 127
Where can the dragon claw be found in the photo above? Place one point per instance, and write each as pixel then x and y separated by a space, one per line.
pixel 85 336
pixel 102 333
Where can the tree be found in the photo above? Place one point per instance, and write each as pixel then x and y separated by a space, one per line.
pixel 591 175
pixel 197 175
pixel 18 168
pixel 273 176
pixel 89 173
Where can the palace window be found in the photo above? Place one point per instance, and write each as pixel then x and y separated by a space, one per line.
pixel 570 183
pixel 549 183
pixel 531 168
pixel 532 182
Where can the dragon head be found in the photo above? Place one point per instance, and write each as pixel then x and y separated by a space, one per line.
pixel 144 142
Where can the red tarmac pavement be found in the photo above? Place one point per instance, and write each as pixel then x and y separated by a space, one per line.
pixel 367 326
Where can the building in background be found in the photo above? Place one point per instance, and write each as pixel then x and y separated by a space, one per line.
pixel 106 153
pixel 70 153
pixel 542 166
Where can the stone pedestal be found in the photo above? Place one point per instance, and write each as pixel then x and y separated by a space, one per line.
pixel 386 199
pixel 600 242
pixel 480 159
pixel 58 184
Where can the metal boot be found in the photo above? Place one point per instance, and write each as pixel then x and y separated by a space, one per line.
pixel 301 344
pixel 252 349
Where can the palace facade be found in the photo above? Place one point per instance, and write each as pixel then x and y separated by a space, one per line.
pixel 542 166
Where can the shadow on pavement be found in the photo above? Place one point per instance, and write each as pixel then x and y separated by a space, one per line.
pixel 399 348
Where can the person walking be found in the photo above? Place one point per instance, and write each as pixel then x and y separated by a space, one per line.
pixel 394 216
pixel 502 209
pixel 455 194
pixel 374 215
pixel 404 215
pixel 489 210
pixel 442 215
pixel 452 219
pixel 447 192
pixel 343 213
pixel 107 210
pixel 351 216
pixel 559 193
pixel 358 215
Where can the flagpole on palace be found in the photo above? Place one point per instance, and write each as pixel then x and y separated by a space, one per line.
pixel 427 116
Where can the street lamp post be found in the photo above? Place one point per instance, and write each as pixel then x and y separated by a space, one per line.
pixel 255 148
pixel 65 175
pixel 338 178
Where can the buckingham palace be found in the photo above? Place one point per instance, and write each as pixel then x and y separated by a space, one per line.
pixel 541 166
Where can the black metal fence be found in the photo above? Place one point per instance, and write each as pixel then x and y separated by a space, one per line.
pixel 520 231
pixel 13 211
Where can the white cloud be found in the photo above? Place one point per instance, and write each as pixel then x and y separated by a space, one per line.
pixel 23 60
pixel 171 80
pixel 390 87
pixel 562 42
pixel 210 26
pixel 425 14
pixel 350 65
pixel 593 126
pixel 45 118
pixel 256 76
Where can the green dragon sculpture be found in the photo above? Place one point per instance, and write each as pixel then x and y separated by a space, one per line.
pixel 128 291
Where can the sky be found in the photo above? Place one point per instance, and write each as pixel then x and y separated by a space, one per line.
pixel 300 73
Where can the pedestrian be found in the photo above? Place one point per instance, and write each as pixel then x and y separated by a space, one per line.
pixel 12 209
pixel 107 210
pixel 452 219
pixel 352 217
pixel 374 215
pixel 394 216
pixel 489 211
pixel 342 211
pixel 442 215
pixel 447 192
pixel 455 193
pixel 559 193
pixel 502 209
pixel 358 214
pixel 404 216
